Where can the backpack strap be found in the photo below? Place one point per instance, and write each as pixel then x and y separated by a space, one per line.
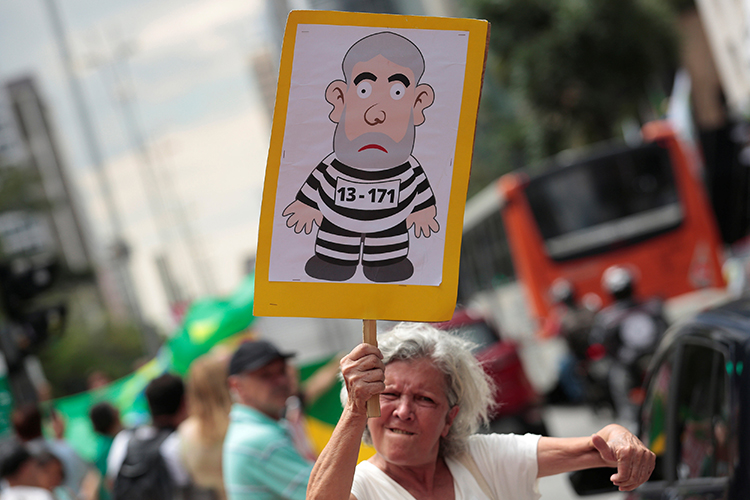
pixel 467 461
pixel 144 473
pixel 138 447
pixel 155 440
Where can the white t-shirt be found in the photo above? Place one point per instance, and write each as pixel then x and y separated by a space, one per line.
pixel 170 451
pixel 507 462
pixel 26 493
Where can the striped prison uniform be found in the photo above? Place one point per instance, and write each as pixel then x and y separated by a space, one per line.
pixel 365 209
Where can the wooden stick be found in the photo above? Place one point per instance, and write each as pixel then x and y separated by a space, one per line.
pixel 370 336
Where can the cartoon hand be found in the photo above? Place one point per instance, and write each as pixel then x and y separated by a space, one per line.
pixel 423 221
pixel 302 217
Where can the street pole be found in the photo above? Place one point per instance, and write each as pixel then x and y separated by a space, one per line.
pixel 154 187
pixel 119 253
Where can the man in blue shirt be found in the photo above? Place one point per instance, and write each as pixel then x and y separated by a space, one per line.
pixel 260 461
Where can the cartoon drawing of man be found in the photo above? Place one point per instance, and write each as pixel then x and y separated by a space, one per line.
pixel 370 191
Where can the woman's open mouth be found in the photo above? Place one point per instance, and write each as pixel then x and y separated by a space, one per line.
pixel 399 431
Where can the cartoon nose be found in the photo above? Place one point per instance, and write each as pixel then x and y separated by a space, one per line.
pixel 374 115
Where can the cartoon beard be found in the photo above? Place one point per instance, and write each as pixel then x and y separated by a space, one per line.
pixel 373 159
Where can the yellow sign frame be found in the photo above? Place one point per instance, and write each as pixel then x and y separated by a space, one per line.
pixel 386 301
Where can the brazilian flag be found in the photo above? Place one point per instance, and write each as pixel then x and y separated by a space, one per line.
pixel 208 322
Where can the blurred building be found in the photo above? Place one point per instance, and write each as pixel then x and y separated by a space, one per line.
pixel 12 150
pixel 726 23
pixel 716 54
pixel 46 264
pixel 279 9
pixel 53 224
pixel 64 221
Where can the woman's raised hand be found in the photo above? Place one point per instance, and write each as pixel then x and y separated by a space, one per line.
pixel 364 375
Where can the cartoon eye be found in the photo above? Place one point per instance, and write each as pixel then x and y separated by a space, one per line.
pixel 364 89
pixel 397 91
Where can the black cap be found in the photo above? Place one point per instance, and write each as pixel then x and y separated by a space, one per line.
pixel 253 355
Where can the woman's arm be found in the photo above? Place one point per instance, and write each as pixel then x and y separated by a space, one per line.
pixel 333 473
pixel 613 446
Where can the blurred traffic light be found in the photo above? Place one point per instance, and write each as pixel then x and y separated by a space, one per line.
pixel 39 325
pixel 29 324
pixel 23 279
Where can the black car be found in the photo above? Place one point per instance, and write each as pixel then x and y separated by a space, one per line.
pixel 696 413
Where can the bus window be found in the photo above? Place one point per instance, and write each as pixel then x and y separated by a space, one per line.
pixel 615 199
pixel 485 256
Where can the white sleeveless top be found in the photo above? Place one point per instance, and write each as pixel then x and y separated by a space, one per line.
pixel 507 462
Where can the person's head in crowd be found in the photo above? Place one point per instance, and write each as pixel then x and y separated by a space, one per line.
pixel 105 419
pixel 51 470
pixel 18 466
pixel 562 293
pixel 97 379
pixel 462 381
pixel 27 422
pixel 166 400
pixel 208 396
pixel 258 377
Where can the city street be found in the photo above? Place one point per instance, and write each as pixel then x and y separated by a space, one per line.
pixel 569 422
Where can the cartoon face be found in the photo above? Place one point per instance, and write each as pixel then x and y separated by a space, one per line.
pixel 379 99
pixel 376 113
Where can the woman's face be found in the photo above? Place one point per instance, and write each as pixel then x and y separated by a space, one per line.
pixel 414 413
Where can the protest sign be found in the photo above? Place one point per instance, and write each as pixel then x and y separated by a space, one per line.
pixel 368 166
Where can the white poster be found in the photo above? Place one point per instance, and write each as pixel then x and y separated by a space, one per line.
pixel 369 144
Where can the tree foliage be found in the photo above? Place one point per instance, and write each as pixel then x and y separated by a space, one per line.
pixel 112 349
pixel 570 72
pixel 21 189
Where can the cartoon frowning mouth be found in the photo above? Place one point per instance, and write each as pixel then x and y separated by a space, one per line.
pixel 373 146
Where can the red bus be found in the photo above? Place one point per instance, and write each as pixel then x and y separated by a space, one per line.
pixel 641 207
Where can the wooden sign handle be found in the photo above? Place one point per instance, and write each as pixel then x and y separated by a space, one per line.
pixel 370 336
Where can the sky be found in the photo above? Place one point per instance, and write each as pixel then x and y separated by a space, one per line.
pixel 184 70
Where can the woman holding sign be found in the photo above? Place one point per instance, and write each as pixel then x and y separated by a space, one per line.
pixel 433 396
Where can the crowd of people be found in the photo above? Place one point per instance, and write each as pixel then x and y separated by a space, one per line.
pixel 232 432
pixel 181 453
pixel 187 428
pixel 34 467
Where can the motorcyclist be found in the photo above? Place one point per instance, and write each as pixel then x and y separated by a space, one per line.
pixel 573 323
pixel 629 330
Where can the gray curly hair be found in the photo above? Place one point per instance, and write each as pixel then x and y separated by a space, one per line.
pixel 466 383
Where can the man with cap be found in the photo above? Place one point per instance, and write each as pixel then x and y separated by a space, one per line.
pixel 259 459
